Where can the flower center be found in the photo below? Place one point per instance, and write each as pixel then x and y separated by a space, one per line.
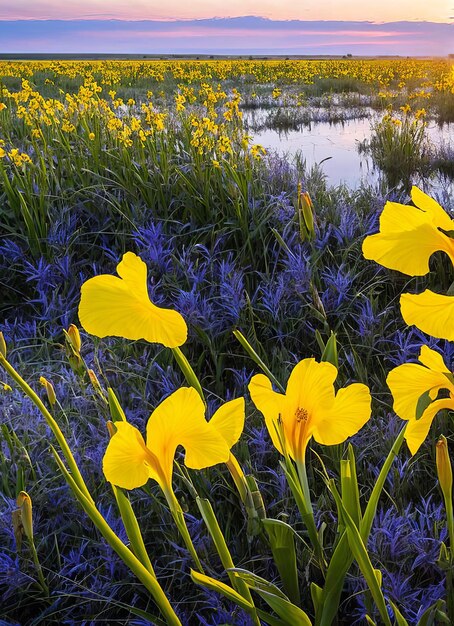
pixel 301 415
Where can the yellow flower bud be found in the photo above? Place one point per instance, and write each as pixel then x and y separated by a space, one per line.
pixel 94 381
pixel 112 429
pixel 24 502
pixel 444 469
pixel 49 390
pixel 2 345
pixel 73 337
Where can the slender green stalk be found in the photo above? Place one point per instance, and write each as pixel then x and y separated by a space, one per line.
pixel 188 372
pixel 145 577
pixel 180 522
pixel 214 529
pixel 51 423
pixel 39 569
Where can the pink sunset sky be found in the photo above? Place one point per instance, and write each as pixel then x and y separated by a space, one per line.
pixel 206 26
pixel 383 11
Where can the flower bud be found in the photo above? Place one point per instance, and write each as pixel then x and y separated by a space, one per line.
pixel 18 529
pixel 94 380
pixel 306 215
pixel 49 390
pixel 73 337
pixel 2 345
pixel 24 502
pixel 112 429
pixel 444 468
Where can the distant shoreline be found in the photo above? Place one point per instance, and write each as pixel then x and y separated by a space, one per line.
pixel 84 56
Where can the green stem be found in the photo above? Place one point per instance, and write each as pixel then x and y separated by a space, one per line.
pixel 52 425
pixel 42 580
pixel 300 489
pixel 302 474
pixel 238 478
pixel 132 528
pixel 180 522
pixel 371 508
pixel 450 570
pixel 188 372
pixel 214 529
pixel 148 580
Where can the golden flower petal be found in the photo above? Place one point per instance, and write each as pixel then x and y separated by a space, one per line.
pixel 410 381
pixel 432 208
pixel 410 235
pixel 269 403
pixel 408 251
pixel 228 420
pixel 125 462
pixel 120 307
pixel 180 420
pixel 350 411
pixel 433 360
pixel 310 407
pixel 417 430
pixel 431 312
pixel 311 386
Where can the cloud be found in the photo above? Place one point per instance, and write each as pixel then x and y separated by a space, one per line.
pixel 245 35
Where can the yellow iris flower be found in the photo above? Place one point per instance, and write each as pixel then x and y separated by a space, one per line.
pixel 410 382
pixel 121 307
pixel 129 461
pixel 431 312
pixel 310 408
pixel 408 237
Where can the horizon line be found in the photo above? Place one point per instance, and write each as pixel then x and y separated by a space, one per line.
pixel 217 18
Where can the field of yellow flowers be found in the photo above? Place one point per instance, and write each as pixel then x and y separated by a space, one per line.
pixel 226 388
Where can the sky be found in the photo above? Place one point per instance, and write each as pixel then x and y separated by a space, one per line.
pixel 356 10
pixel 405 27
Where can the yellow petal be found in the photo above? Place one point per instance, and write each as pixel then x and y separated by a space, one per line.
pixel 125 462
pixel 408 382
pixel 417 430
pixel 310 386
pixel 408 251
pixel 180 420
pixel 430 312
pixel 269 403
pixel 120 307
pixel 350 411
pixel 432 208
pixel 433 360
pixel 229 421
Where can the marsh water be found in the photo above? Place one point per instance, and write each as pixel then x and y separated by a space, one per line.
pixel 335 145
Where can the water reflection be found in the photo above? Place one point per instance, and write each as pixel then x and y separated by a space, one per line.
pixel 335 145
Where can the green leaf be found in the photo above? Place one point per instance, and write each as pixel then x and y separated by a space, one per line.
pixel 349 492
pixel 317 596
pixel 434 612
pixel 188 372
pixel 400 619
pixel 362 558
pixel 282 542
pixel 216 585
pixel 218 538
pixel 257 582
pixel 116 411
pixel 290 613
pixel 132 528
pixel 255 357
pixel 330 351
pixel 423 402
pixel 271 620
